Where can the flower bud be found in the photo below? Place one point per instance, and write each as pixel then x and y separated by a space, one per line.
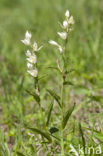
pixel 28 35
pixel 53 43
pixel 28 53
pixel 67 14
pixel 65 24
pixel 29 65
pixel 35 46
pixel 71 20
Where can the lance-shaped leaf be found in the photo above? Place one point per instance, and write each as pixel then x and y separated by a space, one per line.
pixel 69 71
pixel 53 130
pixel 55 96
pixel 20 154
pixel 42 133
pixel 82 135
pixel 55 68
pixel 42 77
pixel 67 116
pixel 49 113
pixel 36 97
pixel 68 83
pixel 96 98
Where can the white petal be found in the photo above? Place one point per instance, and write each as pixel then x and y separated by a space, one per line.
pixel 28 53
pixel 26 41
pixel 65 24
pixel 35 46
pixel 53 43
pixel 60 49
pixel 29 65
pixel 63 35
pixel 33 73
pixel 28 35
pixel 32 59
pixel 71 20
pixel 67 14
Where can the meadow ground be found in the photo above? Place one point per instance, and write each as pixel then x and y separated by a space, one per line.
pixel 85 57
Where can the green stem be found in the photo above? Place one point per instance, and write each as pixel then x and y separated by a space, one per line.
pixel 62 104
pixel 37 89
pixel 62 108
pixel 38 93
pixel 62 112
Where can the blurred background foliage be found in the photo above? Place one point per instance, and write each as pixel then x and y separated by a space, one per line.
pixel 85 54
pixel 41 19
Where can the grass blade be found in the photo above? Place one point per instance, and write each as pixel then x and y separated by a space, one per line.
pixel 98 135
pixel 42 133
pixel 82 135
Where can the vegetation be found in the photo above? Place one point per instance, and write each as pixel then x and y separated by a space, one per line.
pixel 59 108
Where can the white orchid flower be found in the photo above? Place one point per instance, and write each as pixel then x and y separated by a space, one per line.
pixel 32 59
pixel 29 65
pixel 35 47
pixel 71 20
pixel 28 35
pixel 65 24
pixel 26 41
pixel 33 72
pixel 27 38
pixel 63 35
pixel 28 53
pixel 57 45
pixel 53 43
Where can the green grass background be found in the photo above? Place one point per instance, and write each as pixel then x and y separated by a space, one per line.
pixel 41 17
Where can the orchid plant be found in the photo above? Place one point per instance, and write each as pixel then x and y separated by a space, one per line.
pixel 32 69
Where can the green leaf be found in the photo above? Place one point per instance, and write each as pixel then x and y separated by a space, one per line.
pixel 82 135
pixel 49 113
pixel 67 116
pixel 54 68
pixel 42 77
pixel 80 105
pixel 55 96
pixel 20 154
pixel 36 97
pixel 96 98
pixel 42 133
pixel 97 134
pixel 68 83
pixel 69 71
pixel 53 130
